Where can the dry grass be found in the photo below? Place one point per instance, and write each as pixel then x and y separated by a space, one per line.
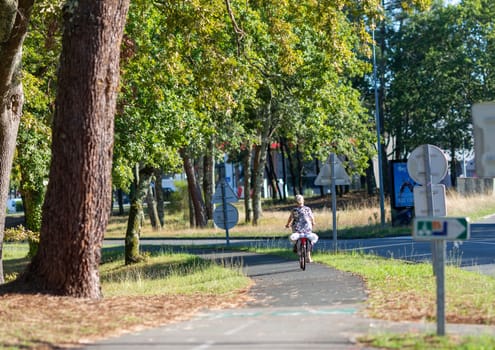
pixel 352 211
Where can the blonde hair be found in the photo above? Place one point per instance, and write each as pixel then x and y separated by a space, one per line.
pixel 299 199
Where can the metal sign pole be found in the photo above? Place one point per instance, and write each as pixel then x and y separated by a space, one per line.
pixel 224 204
pixel 334 201
pixel 437 249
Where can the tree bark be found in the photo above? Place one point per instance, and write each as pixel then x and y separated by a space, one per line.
pixel 120 201
pixel 76 208
pixel 291 169
pixel 14 18
pixel 152 208
pixel 300 170
pixel 248 207
pixel 209 179
pixel 139 189
pixel 258 172
pixel 195 191
pixel 317 168
pixel 160 202
pixel 273 175
pixel 284 170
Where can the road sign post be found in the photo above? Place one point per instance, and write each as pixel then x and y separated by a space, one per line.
pixel 427 165
pixel 332 173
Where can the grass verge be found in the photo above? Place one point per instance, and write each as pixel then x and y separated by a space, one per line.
pixel 403 291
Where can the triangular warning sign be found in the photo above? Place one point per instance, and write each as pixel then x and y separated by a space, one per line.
pixel 324 177
pixel 224 190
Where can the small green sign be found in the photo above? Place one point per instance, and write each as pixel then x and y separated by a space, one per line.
pixel 447 228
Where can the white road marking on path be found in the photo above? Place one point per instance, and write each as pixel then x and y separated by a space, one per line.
pixel 205 345
pixel 240 328
pixel 279 313
pixel 376 246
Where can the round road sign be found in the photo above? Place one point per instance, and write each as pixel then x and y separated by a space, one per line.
pixel 416 164
pixel 227 219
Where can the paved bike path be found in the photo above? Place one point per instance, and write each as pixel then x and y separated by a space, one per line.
pixel 320 308
pixel 291 309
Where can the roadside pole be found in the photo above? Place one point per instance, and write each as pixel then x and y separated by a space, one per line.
pixel 334 202
pixel 224 205
pixel 420 169
pixel 438 248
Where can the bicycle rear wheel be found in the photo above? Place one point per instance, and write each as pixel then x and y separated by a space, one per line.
pixel 302 256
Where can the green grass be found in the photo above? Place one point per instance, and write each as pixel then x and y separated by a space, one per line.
pixel 429 342
pixel 165 272
pixel 162 272
pixel 405 286
pixel 14 259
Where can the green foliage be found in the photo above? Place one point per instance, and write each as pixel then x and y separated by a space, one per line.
pixel 20 234
pixel 441 63
pixel 40 60
pixel 178 199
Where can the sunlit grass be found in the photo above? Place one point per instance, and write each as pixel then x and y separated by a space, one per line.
pixel 410 341
pixel 170 273
pixel 401 290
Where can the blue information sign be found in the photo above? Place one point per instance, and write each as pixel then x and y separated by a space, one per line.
pixel 403 186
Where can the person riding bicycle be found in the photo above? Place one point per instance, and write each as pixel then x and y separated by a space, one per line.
pixel 302 221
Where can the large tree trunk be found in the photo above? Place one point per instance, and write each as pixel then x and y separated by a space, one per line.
pixel 14 18
pixel 76 208
pixel 194 191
